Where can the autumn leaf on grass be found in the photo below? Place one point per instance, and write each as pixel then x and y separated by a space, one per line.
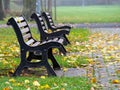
pixel 36 83
pixel 6 88
pixel 11 71
pixel 62 89
pixel 28 88
pixel 27 81
pixel 92 88
pixel 115 81
pixel 12 80
pixel 45 87
pixel 42 77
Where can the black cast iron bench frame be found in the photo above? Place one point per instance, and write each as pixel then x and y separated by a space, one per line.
pixel 29 44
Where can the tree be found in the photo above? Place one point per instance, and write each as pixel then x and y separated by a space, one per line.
pixel 2 15
pixel 50 6
pixel 6 6
pixel 29 6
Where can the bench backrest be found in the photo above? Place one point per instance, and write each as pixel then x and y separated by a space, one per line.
pixel 41 25
pixel 48 19
pixel 22 31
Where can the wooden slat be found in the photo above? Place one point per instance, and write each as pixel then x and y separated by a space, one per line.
pixel 38 14
pixel 51 24
pixel 30 42
pixel 47 13
pixel 42 22
pixel 60 40
pixel 44 27
pixel 50 20
pixel 26 36
pixel 49 16
pixel 40 19
pixel 55 39
pixel 22 24
pixel 36 44
pixel 24 30
pixel 18 19
pixel 44 42
pixel 45 30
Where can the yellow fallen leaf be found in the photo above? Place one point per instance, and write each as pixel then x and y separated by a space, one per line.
pixel 93 80
pixel 11 71
pixel 43 77
pixel 18 20
pixel 92 88
pixel 118 71
pixel 49 31
pixel 36 83
pixel 65 69
pixel 115 81
pixel 12 80
pixel 45 87
pixel 91 61
pixel 27 81
pixel 6 88
pixel 28 88
pixel 62 88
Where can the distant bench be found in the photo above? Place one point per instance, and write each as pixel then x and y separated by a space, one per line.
pixel 47 32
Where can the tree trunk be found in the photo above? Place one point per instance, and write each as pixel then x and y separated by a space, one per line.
pixel 2 15
pixel 6 6
pixel 28 8
pixel 50 6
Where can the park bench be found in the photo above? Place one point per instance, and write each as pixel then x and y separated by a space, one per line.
pixel 44 32
pixel 50 23
pixel 29 46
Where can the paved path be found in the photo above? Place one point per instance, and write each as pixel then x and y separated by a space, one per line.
pixel 83 25
pixel 97 25
pixel 105 72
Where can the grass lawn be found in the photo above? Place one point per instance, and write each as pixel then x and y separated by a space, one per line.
pixel 44 83
pixel 9 59
pixel 88 14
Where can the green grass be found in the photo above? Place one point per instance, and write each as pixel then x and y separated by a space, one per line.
pixel 88 14
pixel 73 61
pixel 54 83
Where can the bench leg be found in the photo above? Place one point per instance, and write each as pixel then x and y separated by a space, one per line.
pixel 66 41
pixel 21 65
pixel 47 65
pixel 18 70
pixel 56 66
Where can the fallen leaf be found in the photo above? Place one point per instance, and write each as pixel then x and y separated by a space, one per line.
pixel 92 88
pixel 93 80
pixel 12 80
pixel 43 77
pixel 27 81
pixel 115 81
pixel 36 83
pixel 6 88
